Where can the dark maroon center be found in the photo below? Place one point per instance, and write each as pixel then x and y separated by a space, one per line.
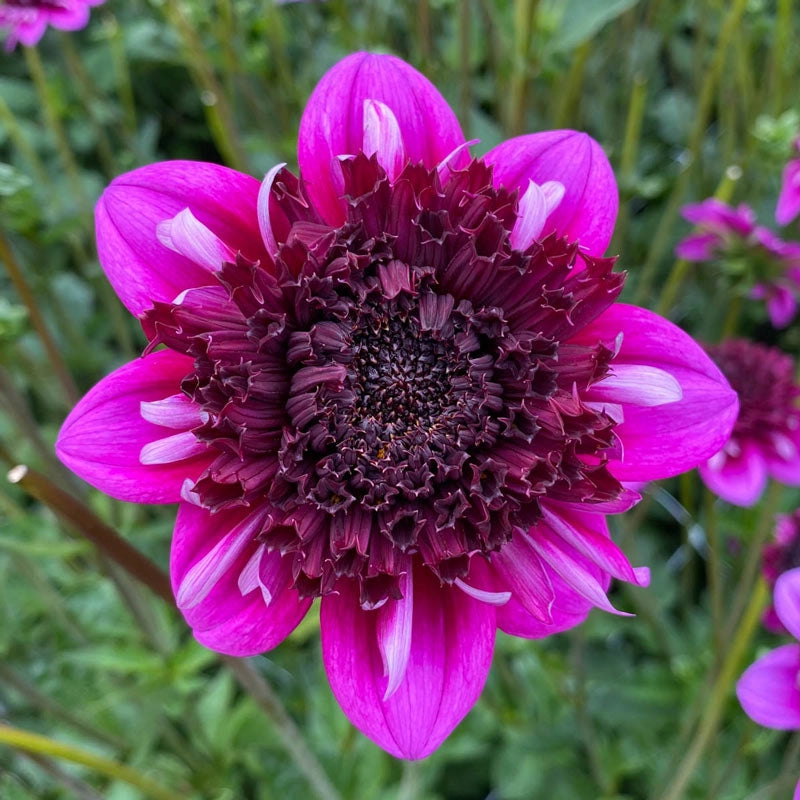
pixel 402 386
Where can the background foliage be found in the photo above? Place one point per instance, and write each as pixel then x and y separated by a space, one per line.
pixel 688 98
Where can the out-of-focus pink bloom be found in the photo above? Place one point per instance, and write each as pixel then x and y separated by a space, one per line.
pixel 766 438
pixel 388 383
pixel 726 232
pixel 789 199
pixel 26 20
pixel 781 556
pixel 769 690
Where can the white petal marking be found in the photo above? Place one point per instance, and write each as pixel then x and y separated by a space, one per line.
pixel 171 448
pixel 637 384
pixel 186 235
pixel 394 635
pixel 262 209
pixel 382 137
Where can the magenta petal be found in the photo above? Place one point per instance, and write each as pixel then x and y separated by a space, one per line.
pixel 588 210
pixel 452 640
pixel 223 619
pixel 781 306
pixel 568 608
pixel 104 434
pixel 787 601
pixel 333 121
pixel 789 199
pixel 140 268
pixel 665 440
pixel 698 247
pixel 740 479
pixel 768 689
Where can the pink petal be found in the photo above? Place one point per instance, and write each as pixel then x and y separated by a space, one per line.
pixel 394 631
pixel 452 641
pixel 264 220
pixel 739 478
pixel 102 437
pixel 383 138
pixel 223 619
pixel 787 601
pixel 535 206
pixel 698 247
pixel 520 570
pixel 768 689
pixel 333 121
pixel 186 235
pixel 169 449
pixel 781 306
pixel 569 608
pixel 789 199
pixel 127 215
pixel 784 463
pixel 665 440
pixel 637 384
pixel 176 411
pixel 588 209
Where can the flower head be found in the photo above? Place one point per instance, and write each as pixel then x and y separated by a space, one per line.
pixel 766 438
pixel 27 20
pixel 780 556
pixel 749 251
pixel 769 690
pixel 789 199
pixel 400 382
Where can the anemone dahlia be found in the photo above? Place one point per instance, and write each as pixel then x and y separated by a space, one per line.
pixel 766 437
pixel 399 382
pixel 769 690
pixel 27 20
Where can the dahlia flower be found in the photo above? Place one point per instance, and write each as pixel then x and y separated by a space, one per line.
pixel 766 437
pixel 789 199
pixel 731 235
pixel 399 382
pixel 780 556
pixel 26 20
pixel 769 690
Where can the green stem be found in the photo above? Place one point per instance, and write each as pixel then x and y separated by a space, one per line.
pixel 663 233
pixel 779 64
pixel 465 50
pixel 17 275
pixel 122 73
pixel 732 316
pixel 218 111
pixel 43 745
pixel 713 569
pixel 524 12
pixel 680 268
pixel 570 95
pixel 720 694
pixel 36 69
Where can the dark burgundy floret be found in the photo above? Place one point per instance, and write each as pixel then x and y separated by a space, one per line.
pixel 403 384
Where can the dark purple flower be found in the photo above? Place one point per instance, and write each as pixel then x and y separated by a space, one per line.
pixel 766 437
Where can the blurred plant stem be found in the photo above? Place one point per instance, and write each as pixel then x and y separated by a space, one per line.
pixel 48 705
pixel 17 275
pixel 79 789
pixel 89 97
pixel 524 15
pixel 22 144
pixel 681 266
pixel 465 70
pixel 423 37
pixel 43 745
pixel 409 782
pixel 569 98
pixel 713 568
pixel 630 154
pixel 122 74
pixel 720 694
pixel 51 117
pixel 112 545
pixel 779 71
pixel 663 232
pixel 218 112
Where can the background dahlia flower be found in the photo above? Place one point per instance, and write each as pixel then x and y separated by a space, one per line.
pixel 788 206
pixel 400 382
pixel 766 437
pixel 732 236
pixel 769 690
pixel 781 555
pixel 26 20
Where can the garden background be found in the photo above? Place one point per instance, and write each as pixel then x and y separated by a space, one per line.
pixel 689 100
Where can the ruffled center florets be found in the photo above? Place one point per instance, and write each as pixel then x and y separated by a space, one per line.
pixel 402 386
pixel 763 377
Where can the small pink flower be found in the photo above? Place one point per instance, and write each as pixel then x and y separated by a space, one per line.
pixel 789 199
pixel 769 690
pixel 766 438
pixel 781 556
pixel 389 383
pixel 724 232
pixel 26 20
